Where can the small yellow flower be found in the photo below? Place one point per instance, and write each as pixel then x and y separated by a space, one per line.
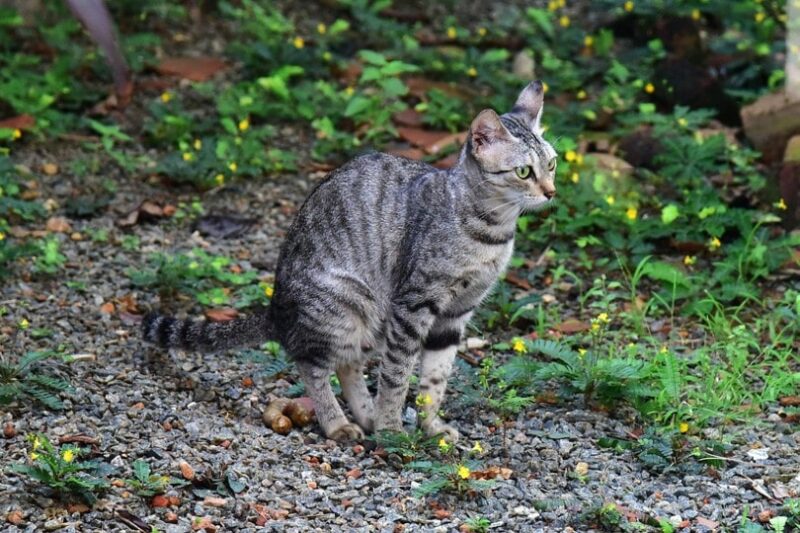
pixel 696 14
pixel 463 472
pixel 444 446
pixel 588 41
pixel 233 166
pixel 269 291
pixel 24 324
pixel 571 156
pixel 244 124
pixel 17 134
pixel 575 177
pixel 298 42
pixel 349 91
pixel 610 200
pixel 198 144
pixel 631 213
pixel 68 456
pixel 2 236
pixel 326 55
pixel 451 33
pixel 582 351
pixel 664 349
pixel 188 156
pixel 564 21
pixel 322 29
pixel 193 265
pixel 552 5
pixel 579 159
pixel 477 448
pixel 689 260
pixel 603 318
pixel 562 3
pixel 682 122
pixel 36 443
pixel 714 244
pixel 649 88
pixel 760 16
pixel 482 31
pixel 219 179
pixel 581 95
pixel 166 96
pixel 34 456
pixel 595 327
pixel 683 427
pixel 628 6
pixel 519 346
pixel 545 87
pixel 423 400
pixel 472 72
pixel 781 204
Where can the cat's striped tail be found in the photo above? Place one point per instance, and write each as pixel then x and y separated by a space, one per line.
pixel 207 336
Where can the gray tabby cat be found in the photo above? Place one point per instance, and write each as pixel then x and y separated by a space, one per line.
pixel 390 257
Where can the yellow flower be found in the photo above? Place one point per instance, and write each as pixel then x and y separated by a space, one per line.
pixel 570 156
pixel 187 156
pixel 582 351
pixel 575 177
pixel 298 42
pixel 349 91
pixel 519 346
pixel 579 159
pixel 564 21
pixel 269 291
pixel 17 133
pixel 588 41
pixel 424 399
pixel 581 95
pixel 36 443
pixel 780 204
pixel 603 318
pixel 682 122
pixel 326 55
pixel 562 3
pixel 628 6
pixel 595 327
pixel 34 456
pixel 477 448
pixel 714 244
pixel 545 87
pixel 322 29
pixel 451 33
pixel 2 236
pixel 664 349
pixel 649 88
pixel 552 5
pixel 472 72
pixel 166 96
pixel 233 166
pixel 696 14
pixel 443 445
pixel 760 16
pixel 689 260
pixel 198 144
pixel 631 213
pixel 219 179
pixel 68 456
pixel 463 472
pixel 683 427
pixel 482 31
pixel 24 324
pixel 610 200
pixel 244 124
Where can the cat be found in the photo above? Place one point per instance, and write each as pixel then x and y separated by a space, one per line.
pixel 389 257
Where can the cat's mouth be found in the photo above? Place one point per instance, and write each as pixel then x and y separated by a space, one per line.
pixel 537 203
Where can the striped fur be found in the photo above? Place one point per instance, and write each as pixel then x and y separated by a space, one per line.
pixel 388 257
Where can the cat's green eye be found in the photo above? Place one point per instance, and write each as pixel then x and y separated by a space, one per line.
pixel 551 165
pixel 523 172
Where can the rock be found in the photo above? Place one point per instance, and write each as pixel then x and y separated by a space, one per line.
pixel 769 122
pixel 15 517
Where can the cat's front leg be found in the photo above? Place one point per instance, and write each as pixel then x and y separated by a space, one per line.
pixel 403 344
pixel 439 352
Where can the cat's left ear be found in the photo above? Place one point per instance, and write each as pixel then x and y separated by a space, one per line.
pixel 529 105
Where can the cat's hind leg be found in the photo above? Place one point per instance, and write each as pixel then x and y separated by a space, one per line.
pixel 329 413
pixel 354 390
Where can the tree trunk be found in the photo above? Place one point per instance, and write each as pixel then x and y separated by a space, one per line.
pixel 793 50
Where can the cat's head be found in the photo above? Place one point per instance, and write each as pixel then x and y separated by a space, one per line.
pixel 515 161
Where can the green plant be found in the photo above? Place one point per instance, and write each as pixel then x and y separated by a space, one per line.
pixel 26 380
pixel 145 483
pixel 407 445
pixel 449 476
pixel 478 524
pixel 61 470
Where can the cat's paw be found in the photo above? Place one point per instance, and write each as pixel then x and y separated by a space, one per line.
pixel 448 432
pixel 347 432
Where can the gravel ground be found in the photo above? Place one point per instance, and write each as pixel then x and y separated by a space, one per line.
pixel 168 408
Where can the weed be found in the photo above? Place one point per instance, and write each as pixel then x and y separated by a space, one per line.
pixel 26 380
pixel 147 484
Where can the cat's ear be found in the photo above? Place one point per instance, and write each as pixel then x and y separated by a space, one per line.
pixel 486 131
pixel 529 105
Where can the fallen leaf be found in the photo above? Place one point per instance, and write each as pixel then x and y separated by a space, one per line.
pixel 247 382
pixel 58 225
pixel 204 524
pixel 50 169
pixel 107 308
pixel 223 226
pixel 573 325
pixel 191 68
pixel 517 281
pixel 77 508
pixel 15 517
pixel 159 500
pixel 354 473
pixel 442 514
pixel 765 515
pixel 145 211
pixel 408 117
pixel 790 401
pixel 705 522
pixel 223 314
pixel 432 142
pixel 20 122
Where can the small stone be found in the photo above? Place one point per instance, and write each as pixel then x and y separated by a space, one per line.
pixel 582 468
pixel 675 520
pixel 214 501
pixel 15 517
pixel 50 169
pixel 186 470
pixel 58 225
pixel 170 517
pixel 9 431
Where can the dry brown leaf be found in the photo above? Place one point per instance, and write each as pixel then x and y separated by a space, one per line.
pixel 107 308
pixel 204 524
pixel 788 401
pixel 223 314
pixel 517 281
pixel 58 225
pixel 20 122
pixel 354 473
pixel 191 68
pixel 705 522
pixel 50 169
pixel 573 325
pixel 408 117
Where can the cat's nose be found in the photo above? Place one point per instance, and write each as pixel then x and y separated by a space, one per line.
pixel 549 193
